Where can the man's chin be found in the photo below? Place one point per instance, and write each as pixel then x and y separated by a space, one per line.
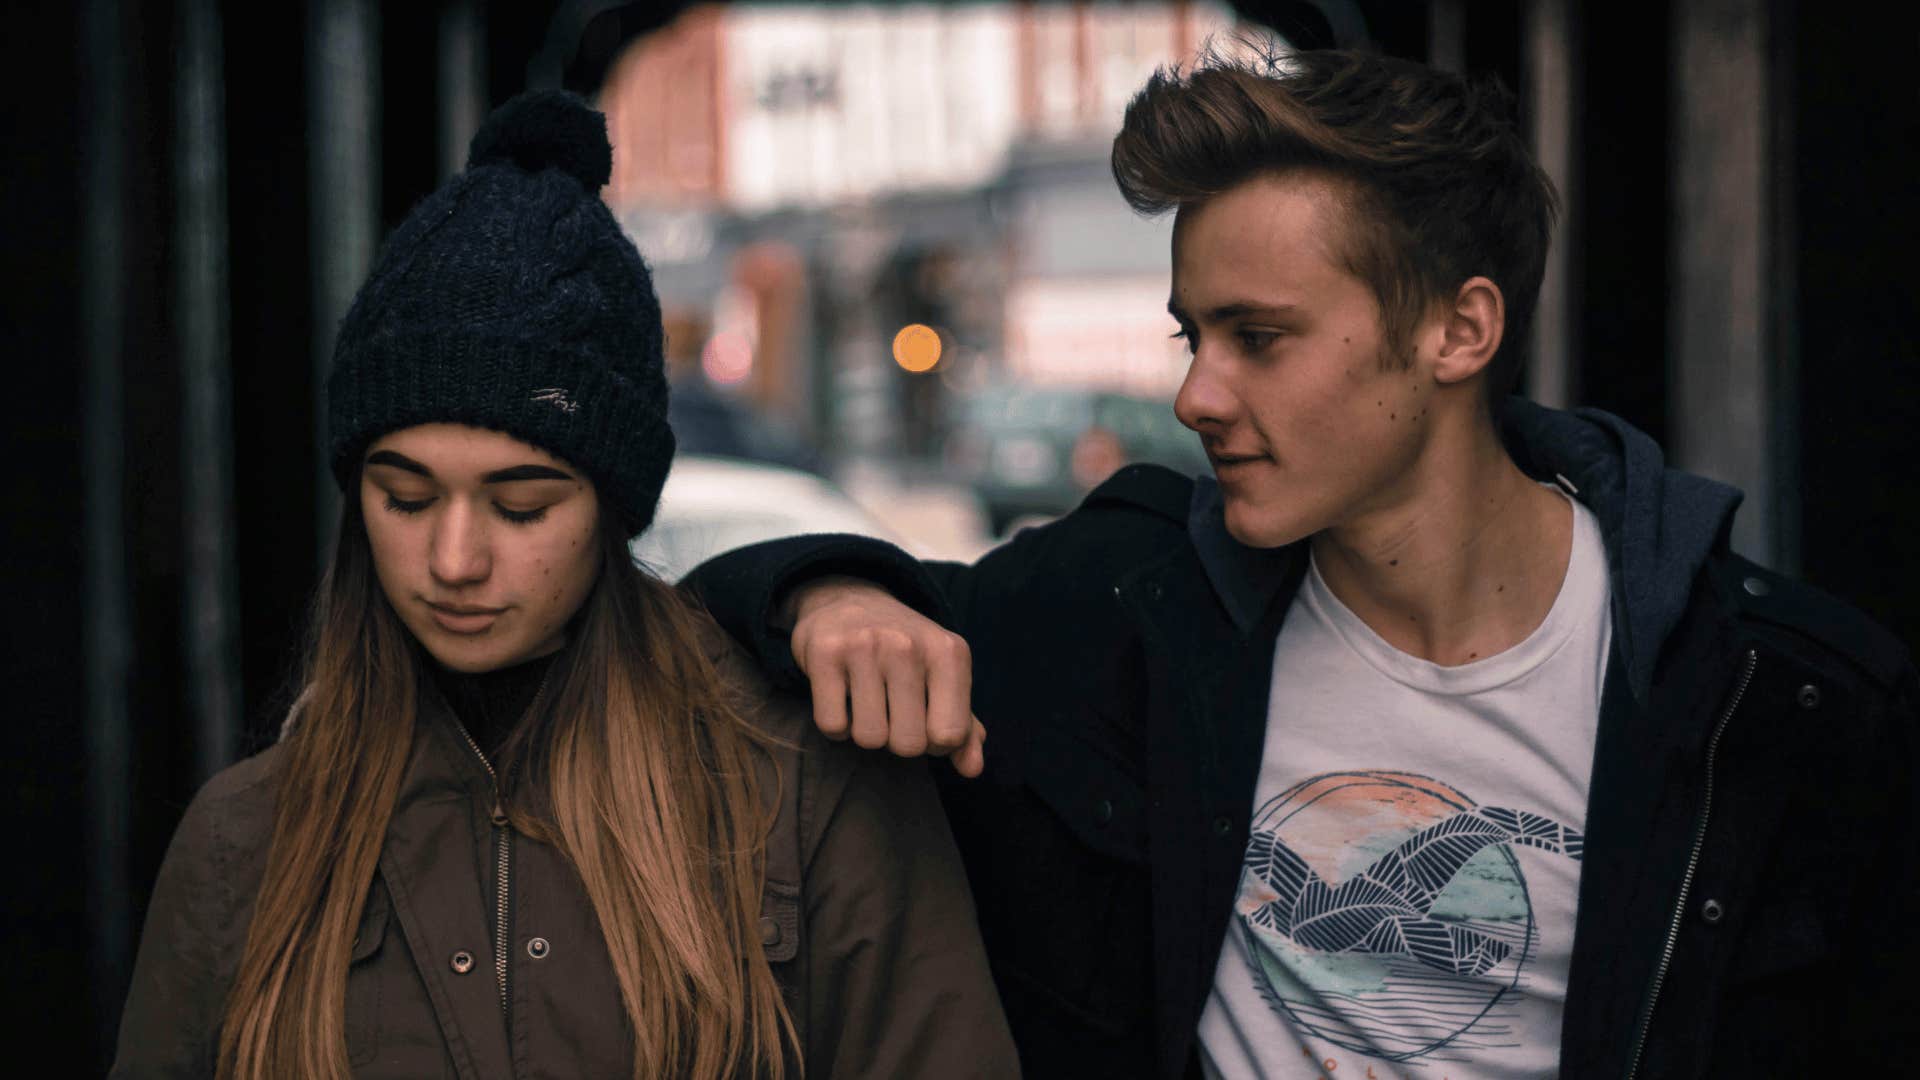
pixel 1262 530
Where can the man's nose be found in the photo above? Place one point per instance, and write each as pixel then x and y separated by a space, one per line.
pixel 1206 401
pixel 460 554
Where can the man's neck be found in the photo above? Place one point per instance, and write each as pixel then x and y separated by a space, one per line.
pixel 1464 564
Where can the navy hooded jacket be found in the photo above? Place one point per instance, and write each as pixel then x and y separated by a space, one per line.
pixel 1750 886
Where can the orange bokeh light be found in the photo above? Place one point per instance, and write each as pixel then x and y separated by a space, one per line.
pixel 916 347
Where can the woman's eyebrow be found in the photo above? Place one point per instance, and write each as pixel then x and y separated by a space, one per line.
pixel 524 472
pixel 399 461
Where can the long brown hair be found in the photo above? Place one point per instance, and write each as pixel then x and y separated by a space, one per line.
pixel 639 769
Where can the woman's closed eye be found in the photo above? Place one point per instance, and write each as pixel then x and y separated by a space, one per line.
pixel 518 515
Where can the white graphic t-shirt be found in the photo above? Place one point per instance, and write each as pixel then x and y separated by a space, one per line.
pixel 1406 906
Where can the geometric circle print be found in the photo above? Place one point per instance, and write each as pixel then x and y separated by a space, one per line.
pixel 1386 912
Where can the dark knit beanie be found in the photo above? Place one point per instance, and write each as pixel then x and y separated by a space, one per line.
pixel 510 299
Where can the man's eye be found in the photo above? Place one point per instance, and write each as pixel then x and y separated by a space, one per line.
pixel 1255 340
pixel 1184 334
pixel 406 506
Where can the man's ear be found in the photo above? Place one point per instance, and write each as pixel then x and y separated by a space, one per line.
pixel 1468 330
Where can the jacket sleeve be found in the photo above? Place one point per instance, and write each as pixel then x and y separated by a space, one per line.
pixel 897 981
pixel 744 588
pixel 181 973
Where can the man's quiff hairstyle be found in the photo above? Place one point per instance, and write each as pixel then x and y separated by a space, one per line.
pixel 1438 186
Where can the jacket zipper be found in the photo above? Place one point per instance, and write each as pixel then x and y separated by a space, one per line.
pixel 1693 864
pixel 503 873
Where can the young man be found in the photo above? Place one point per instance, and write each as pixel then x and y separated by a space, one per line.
pixel 1436 733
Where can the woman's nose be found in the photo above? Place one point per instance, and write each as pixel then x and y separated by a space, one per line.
pixel 459 555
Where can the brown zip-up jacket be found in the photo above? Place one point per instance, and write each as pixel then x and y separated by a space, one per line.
pixel 866 920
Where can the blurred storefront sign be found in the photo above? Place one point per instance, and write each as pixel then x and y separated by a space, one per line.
pixel 1104 332
pixel 830 105
pixel 918 164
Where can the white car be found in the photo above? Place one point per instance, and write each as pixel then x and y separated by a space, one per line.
pixel 713 504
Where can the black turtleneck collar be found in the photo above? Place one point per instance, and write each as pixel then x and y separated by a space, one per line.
pixel 489 704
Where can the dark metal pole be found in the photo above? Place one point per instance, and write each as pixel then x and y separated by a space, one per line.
pixel 210 605
pixel 104 588
pixel 1720 330
pixel 463 81
pixel 343 73
pixel 1447 35
pixel 1551 59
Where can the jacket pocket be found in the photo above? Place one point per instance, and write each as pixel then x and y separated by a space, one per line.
pixel 363 985
pixel 1103 808
pixel 1067 921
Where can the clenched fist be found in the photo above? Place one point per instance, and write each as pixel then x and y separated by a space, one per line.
pixel 884 674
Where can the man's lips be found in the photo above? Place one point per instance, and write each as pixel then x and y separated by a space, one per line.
pixel 1228 461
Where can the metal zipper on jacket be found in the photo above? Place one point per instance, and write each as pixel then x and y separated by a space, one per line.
pixel 1693 864
pixel 503 871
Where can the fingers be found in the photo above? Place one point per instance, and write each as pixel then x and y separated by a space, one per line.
pixel 971 759
pixel 949 694
pixel 867 691
pixel 829 682
pixel 904 670
pixel 886 676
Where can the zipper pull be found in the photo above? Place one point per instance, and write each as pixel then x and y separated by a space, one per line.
pixel 499 812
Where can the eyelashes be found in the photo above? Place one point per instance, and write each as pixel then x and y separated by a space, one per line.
pixel 1252 341
pixel 517 517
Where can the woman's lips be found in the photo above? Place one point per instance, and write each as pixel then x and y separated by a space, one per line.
pixel 464 620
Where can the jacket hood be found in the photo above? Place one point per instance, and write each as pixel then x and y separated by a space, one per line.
pixel 1659 525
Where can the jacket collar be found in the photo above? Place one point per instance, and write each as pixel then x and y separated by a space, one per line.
pixel 1659 525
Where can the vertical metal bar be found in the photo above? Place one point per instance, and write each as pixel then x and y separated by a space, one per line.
pixel 1447 35
pixel 1719 341
pixel 463 81
pixel 1552 59
pixel 1783 300
pixel 104 600
pixel 343 73
pixel 210 605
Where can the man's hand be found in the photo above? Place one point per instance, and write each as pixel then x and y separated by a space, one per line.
pixel 884 674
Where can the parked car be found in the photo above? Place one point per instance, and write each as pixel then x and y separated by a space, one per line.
pixel 714 504
pixel 1038 450
pixel 707 421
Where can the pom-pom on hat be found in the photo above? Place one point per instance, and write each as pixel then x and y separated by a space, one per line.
pixel 510 299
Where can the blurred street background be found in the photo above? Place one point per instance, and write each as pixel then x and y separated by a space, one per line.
pixel 902 297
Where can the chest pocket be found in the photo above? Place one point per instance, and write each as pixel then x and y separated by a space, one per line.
pixel 363 989
pixel 1102 807
pixel 1067 914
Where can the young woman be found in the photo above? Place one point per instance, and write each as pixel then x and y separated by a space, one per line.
pixel 529 816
